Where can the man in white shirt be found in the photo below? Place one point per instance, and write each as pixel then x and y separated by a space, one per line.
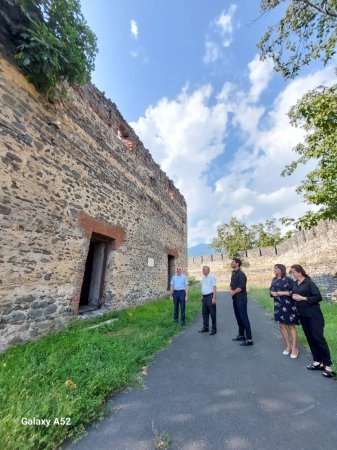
pixel 178 293
pixel 208 290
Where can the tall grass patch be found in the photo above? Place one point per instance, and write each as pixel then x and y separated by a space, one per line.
pixel 70 374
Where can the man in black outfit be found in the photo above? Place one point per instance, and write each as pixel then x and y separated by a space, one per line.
pixel 239 294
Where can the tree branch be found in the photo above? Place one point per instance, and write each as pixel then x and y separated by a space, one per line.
pixel 324 11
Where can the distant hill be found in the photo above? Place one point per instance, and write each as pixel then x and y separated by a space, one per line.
pixel 200 250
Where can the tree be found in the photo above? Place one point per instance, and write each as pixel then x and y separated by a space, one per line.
pixel 306 32
pixel 52 41
pixel 266 234
pixel 316 112
pixel 233 238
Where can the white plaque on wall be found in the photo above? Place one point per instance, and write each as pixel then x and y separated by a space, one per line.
pixel 150 262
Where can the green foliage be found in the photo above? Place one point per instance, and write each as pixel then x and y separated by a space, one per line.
pixel 72 373
pixel 233 237
pixel 316 112
pixel 266 234
pixel 53 42
pixel 192 280
pixel 236 237
pixel 306 32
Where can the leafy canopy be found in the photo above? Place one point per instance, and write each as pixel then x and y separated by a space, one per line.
pixel 236 237
pixel 316 112
pixel 306 32
pixel 53 42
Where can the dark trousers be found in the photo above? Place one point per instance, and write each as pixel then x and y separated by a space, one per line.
pixel 313 330
pixel 208 309
pixel 241 315
pixel 179 299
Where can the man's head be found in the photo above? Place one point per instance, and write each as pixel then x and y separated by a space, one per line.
pixel 205 270
pixel 179 270
pixel 236 263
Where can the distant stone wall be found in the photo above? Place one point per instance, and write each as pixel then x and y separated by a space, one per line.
pixel 315 250
pixel 71 171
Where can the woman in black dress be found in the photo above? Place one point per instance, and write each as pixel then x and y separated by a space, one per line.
pixel 307 297
pixel 285 312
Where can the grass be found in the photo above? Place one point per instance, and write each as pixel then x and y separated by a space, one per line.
pixel 329 311
pixel 71 374
pixel 162 440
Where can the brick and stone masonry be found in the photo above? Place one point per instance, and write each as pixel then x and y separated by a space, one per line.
pixel 315 250
pixel 86 215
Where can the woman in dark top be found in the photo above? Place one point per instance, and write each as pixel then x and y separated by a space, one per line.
pixel 307 297
pixel 285 312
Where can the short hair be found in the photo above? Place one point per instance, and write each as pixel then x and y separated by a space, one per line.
pixel 206 267
pixel 237 261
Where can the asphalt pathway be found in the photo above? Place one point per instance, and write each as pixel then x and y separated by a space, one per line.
pixel 207 392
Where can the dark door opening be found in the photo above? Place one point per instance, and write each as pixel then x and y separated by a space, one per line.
pixel 170 270
pixel 94 273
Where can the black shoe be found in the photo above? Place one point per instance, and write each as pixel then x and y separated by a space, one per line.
pixel 238 338
pixel 212 332
pixel 246 343
pixel 328 373
pixel 204 330
pixel 315 367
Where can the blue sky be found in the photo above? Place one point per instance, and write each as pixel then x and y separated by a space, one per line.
pixel 187 77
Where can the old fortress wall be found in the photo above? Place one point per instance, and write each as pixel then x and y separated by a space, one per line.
pixel 315 250
pixel 87 217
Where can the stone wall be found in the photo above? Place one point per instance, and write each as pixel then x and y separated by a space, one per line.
pixel 71 170
pixel 315 250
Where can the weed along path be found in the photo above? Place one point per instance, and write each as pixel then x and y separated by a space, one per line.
pixel 207 392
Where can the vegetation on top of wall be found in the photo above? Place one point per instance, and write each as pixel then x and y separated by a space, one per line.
pixel 51 42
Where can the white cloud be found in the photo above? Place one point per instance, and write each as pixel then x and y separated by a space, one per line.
pixel 220 35
pixel 260 74
pixel 212 52
pixel 188 133
pixel 224 23
pixel 134 28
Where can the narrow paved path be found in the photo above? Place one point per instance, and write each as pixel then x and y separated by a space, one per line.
pixel 209 393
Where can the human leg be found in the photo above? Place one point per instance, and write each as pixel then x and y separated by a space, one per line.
pixel 212 309
pixel 293 337
pixel 175 306
pixel 307 329
pixel 286 338
pixel 205 313
pixel 182 306
pixel 238 319
pixel 319 342
pixel 242 309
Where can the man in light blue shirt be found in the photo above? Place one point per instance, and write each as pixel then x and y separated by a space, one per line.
pixel 178 292
pixel 208 290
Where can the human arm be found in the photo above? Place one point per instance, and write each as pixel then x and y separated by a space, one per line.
pixel 241 283
pixel 312 295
